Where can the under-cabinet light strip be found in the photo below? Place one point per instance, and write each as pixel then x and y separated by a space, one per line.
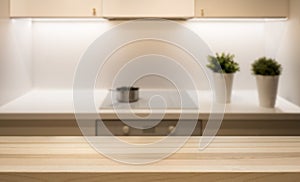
pixel 237 19
pixel 69 20
pixel 189 20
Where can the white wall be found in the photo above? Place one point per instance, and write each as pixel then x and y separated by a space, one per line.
pixel 58 47
pixel 15 56
pixel 55 46
pixel 59 44
pixel 245 39
pixel 289 56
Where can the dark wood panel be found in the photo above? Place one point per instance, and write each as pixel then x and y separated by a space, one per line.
pixel 258 128
pixel 39 128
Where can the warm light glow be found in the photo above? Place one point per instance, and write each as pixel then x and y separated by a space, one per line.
pixel 69 20
pixel 237 19
pixel 189 20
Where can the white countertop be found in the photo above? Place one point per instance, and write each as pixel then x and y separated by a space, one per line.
pixel 59 103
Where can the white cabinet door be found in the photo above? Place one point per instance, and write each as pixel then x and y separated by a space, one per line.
pixel 148 8
pixel 242 8
pixel 55 8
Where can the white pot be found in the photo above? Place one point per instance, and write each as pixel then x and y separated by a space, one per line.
pixel 223 87
pixel 267 87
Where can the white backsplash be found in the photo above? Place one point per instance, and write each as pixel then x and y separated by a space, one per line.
pixel 58 46
pixel 289 55
pixel 15 58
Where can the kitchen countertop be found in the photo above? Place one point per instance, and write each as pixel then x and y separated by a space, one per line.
pixel 58 104
pixel 226 158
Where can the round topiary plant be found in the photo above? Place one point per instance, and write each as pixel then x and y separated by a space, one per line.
pixel 267 73
pixel 266 67
pixel 224 67
pixel 223 63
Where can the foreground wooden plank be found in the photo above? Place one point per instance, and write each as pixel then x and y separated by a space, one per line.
pixel 149 177
pixel 226 159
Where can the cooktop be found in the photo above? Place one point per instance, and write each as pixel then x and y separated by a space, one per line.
pixel 153 100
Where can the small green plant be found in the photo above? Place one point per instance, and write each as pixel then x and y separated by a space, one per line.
pixel 267 67
pixel 223 63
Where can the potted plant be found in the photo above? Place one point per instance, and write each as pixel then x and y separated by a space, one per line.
pixel 224 68
pixel 267 73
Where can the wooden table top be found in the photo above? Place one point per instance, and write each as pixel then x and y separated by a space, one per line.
pixel 257 157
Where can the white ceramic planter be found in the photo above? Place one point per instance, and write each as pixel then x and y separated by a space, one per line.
pixel 223 87
pixel 267 87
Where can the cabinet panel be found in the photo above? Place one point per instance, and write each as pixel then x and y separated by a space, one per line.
pixel 39 128
pixel 242 8
pixel 70 128
pixel 4 9
pixel 130 128
pixel 258 128
pixel 55 8
pixel 148 8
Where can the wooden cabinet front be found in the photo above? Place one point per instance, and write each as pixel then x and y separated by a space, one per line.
pixel 55 8
pixel 242 8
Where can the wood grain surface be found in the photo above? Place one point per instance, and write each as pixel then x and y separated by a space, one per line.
pixel 226 159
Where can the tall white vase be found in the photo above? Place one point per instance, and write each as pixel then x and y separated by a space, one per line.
pixel 223 87
pixel 267 87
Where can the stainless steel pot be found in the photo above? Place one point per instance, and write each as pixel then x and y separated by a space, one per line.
pixel 127 94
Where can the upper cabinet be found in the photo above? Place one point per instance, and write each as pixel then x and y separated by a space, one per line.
pixel 4 9
pixel 118 9
pixel 123 9
pixel 55 8
pixel 241 8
